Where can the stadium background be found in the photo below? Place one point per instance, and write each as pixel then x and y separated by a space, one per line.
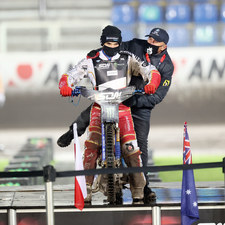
pixel 39 40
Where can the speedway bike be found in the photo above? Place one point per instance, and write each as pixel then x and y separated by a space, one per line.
pixel 110 185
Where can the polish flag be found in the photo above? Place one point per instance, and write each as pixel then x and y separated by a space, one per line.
pixel 80 190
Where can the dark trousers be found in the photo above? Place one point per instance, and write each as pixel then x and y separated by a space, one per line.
pixel 142 130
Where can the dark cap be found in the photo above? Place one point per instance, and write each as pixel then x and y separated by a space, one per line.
pixel 111 34
pixel 159 35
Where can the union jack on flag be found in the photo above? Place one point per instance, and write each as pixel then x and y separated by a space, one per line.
pixel 189 203
pixel 186 147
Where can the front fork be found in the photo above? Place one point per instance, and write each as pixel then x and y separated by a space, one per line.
pixel 117 145
pixel 103 145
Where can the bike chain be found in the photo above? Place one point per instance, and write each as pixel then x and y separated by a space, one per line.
pixel 110 161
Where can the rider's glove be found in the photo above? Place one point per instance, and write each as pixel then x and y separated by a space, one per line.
pixel 150 89
pixel 66 91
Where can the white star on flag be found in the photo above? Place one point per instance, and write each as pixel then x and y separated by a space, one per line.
pixel 188 192
pixel 195 204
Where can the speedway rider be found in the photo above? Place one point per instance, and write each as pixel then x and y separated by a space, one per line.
pixel 112 68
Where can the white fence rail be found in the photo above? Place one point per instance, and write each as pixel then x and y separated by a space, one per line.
pixel 50 35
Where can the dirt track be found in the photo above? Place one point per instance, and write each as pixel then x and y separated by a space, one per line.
pixel 51 110
pixel 49 115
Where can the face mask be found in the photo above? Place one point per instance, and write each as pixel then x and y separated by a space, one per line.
pixel 111 51
pixel 152 49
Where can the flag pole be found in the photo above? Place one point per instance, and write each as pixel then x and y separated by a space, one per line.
pixel 49 177
pixel 189 202
pixel 156 215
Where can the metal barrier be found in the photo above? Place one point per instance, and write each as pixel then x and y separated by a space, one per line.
pixel 49 174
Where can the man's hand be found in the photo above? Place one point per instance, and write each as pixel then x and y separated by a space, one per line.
pixel 66 91
pixel 150 89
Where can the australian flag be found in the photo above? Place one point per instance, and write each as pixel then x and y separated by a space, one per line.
pixel 189 204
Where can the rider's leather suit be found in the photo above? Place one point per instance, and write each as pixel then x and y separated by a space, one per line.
pixel 114 72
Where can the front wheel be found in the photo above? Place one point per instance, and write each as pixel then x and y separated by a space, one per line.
pixel 109 140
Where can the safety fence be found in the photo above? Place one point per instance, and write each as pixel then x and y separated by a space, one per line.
pixel 49 175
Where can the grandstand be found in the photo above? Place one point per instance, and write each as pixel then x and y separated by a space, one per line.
pixel 189 23
pixel 45 25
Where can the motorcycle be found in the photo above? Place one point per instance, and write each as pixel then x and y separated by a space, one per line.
pixel 110 185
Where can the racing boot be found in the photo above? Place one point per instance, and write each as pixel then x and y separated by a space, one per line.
pixel 132 158
pixel 87 200
pixel 65 139
pixel 137 195
pixel 137 201
pixel 149 195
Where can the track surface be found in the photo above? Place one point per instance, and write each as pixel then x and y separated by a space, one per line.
pixel 49 115
pixel 46 110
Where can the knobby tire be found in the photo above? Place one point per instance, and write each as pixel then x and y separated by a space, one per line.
pixel 109 139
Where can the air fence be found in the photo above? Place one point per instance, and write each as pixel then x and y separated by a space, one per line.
pixel 50 174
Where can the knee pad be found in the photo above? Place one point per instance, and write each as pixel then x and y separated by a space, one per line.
pixel 130 148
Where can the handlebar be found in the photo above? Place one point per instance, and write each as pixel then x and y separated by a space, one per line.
pixel 139 91
pixel 77 91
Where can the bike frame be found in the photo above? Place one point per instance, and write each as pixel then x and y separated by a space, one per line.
pixel 109 100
